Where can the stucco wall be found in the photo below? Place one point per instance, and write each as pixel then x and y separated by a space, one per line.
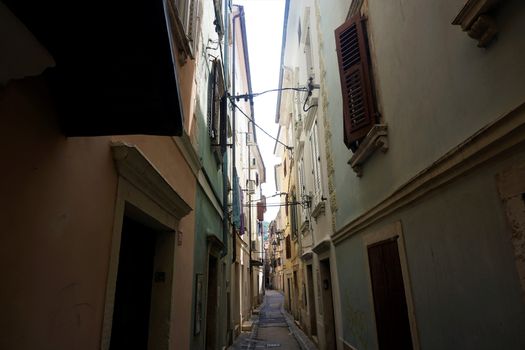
pixel 209 223
pixel 464 281
pixel 435 88
pixel 57 207
pixel 58 197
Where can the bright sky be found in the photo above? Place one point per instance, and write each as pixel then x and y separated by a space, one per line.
pixel 264 26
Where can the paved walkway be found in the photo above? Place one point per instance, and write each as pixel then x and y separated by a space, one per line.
pixel 274 328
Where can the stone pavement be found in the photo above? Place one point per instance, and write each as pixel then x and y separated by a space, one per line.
pixel 273 328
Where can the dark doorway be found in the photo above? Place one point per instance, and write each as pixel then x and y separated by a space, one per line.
pixel 130 329
pixel 328 317
pixel 393 327
pixel 289 295
pixel 311 298
pixel 211 304
pixel 295 296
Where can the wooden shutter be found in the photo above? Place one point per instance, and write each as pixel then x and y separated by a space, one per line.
pixel 211 101
pixel 356 85
pixel 294 216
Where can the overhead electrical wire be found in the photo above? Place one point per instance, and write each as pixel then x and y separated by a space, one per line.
pixel 260 128
pixel 308 88
pixel 247 96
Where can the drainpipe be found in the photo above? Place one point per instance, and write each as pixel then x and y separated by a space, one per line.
pixel 250 219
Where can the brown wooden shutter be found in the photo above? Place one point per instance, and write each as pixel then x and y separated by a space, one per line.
pixel 212 80
pixel 356 85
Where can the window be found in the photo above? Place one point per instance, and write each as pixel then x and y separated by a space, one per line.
pixel 359 112
pixel 215 102
pixel 302 188
pixel 308 56
pixel 188 15
pixel 316 163
pixel 219 21
pixel 294 216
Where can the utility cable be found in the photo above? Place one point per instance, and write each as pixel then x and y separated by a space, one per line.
pixel 247 96
pixel 260 128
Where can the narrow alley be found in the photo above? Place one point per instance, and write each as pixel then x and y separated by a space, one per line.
pixel 256 174
pixel 273 327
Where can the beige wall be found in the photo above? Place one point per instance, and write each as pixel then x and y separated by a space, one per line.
pixel 58 197
pixel 54 254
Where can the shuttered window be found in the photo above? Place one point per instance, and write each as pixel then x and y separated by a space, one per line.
pixel 189 14
pixel 215 108
pixel 294 216
pixel 356 85
pixel 302 188
pixel 316 163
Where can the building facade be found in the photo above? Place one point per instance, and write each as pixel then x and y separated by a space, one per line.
pixel 249 175
pixel 422 109
pixel 91 208
pixel 313 291
pixel 116 143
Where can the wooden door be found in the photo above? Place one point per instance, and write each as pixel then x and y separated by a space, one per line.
pixel 390 306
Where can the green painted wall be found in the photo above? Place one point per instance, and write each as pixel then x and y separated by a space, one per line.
pixel 209 221
pixel 464 281
pixel 435 88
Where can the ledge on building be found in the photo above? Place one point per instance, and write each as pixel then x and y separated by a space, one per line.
pixel 307 256
pixel 476 19
pixel 133 165
pixel 322 246
pixel 215 244
pixel 375 139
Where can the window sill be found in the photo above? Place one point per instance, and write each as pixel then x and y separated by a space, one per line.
pixel 319 209
pixel 375 139
pixel 475 19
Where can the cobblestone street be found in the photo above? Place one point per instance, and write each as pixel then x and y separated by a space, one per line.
pixel 273 328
